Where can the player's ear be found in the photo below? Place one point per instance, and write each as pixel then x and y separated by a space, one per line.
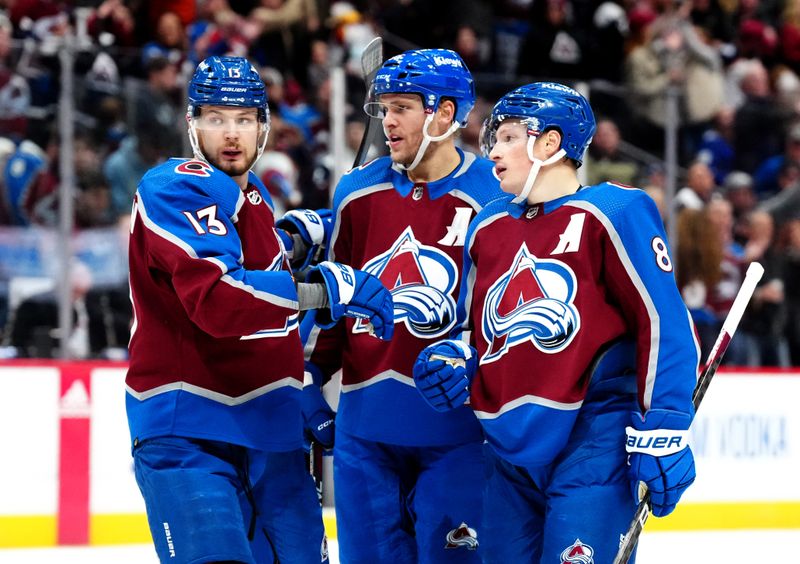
pixel 447 111
pixel 552 141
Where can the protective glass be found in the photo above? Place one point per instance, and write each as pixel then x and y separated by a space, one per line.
pixel 488 134
pixel 380 110
pixel 218 122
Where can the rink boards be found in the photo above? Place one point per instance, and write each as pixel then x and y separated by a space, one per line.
pixel 66 475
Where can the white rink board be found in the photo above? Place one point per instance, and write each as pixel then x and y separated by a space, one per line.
pixel 113 487
pixel 29 424
pixel 746 440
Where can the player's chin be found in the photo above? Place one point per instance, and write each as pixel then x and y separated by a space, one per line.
pixel 510 187
pixel 399 157
pixel 231 167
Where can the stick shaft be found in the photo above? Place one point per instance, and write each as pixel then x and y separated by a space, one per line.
pixel 729 326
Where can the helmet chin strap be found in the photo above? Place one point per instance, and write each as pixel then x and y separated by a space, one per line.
pixel 534 172
pixel 426 140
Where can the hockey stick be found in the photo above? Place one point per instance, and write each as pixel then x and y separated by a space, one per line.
pixel 371 61
pixel 754 273
pixel 315 467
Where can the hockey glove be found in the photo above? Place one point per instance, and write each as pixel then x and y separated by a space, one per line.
pixel 314 229
pixel 660 457
pixel 354 293
pixel 317 414
pixel 443 373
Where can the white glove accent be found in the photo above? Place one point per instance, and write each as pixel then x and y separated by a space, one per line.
pixel 658 442
pixel 311 221
pixel 345 280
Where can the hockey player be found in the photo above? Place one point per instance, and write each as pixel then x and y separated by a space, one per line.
pixel 407 480
pixel 578 336
pixel 216 363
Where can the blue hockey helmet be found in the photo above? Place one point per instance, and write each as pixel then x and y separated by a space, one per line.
pixel 433 74
pixel 227 81
pixel 542 106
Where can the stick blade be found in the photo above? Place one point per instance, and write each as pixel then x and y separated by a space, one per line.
pixel 372 58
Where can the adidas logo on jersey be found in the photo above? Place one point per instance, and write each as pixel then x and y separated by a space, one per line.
pixel 463 535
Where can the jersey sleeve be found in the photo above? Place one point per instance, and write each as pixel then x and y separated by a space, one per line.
pixel 639 274
pixel 191 239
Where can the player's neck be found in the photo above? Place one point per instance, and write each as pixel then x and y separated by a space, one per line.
pixel 440 160
pixel 242 180
pixel 553 182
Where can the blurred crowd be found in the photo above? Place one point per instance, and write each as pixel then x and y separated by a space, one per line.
pixel 733 66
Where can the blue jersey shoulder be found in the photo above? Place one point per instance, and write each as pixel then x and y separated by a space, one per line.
pixel 475 178
pixel 374 173
pixel 176 178
pixel 614 200
pixel 499 206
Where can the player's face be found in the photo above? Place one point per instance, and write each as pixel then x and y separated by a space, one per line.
pixel 403 118
pixel 228 137
pixel 510 156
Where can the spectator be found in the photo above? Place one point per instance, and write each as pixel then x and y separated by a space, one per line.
pixel 170 41
pixel 759 123
pixel 716 145
pixel 156 106
pixel 33 327
pixel 738 190
pixel 220 30
pixel 785 204
pixel 609 32
pixel 719 212
pixel 554 47
pixel 698 260
pixel 789 247
pixel 112 25
pixel 29 190
pixel 673 56
pixel 699 187
pixel 604 161
pixel 766 175
pixel 764 321
pixel 125 167
pixel 15 95
pixel 717 21
pixel 93 201
pixel 279 175
pixel 286 28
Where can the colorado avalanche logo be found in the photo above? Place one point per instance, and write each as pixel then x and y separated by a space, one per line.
pixel 530 302
pixel 578 553
pixel 421 279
